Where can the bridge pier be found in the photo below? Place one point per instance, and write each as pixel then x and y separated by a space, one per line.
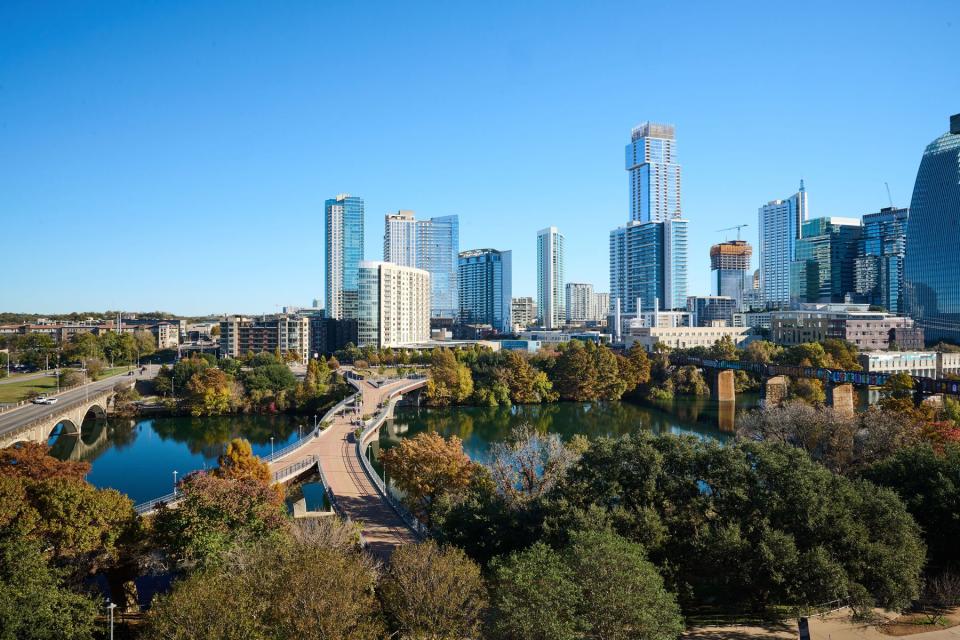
pixel 775 391
pixel 724 386
pixel 841 398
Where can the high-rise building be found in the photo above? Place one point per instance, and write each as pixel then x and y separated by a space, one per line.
pixel 878 274
pixel 826 254
pixel 654 173
pixel 524 311
pixel 780 228
pixel 343 253
pixel 932 262
pixel 288 333
pixel 431 245
pixel 601 306
pixel 485 287
pixel 550 291
pixel 730 270
pixel 708 311
pixel 648 265
pixel 394 305
pixel 579 302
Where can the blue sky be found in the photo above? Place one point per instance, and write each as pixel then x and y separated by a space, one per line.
pixel 176 155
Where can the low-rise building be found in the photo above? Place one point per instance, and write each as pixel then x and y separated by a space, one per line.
pixel 524 312
pixel 707 310
pixel 930 364
pixel 530 346
pixel 683 337
pixel 868 330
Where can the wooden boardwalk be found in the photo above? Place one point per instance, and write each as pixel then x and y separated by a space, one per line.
pixel 356 496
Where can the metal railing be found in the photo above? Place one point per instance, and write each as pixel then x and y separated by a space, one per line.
pixel 296 444
pixel 295 468
pixel 146 507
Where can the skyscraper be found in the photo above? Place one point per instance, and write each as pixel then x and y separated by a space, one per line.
pixel 579 302
pixel 394 305
pixel 431 245
pixel 485 287
pixel 550 291
pixel 878 275
pixel 648 256
pixel 826 254
pixel 780 228
pixel 730 270
pixel 932 262
pixel 648 265
pixel 654 174
pixel 343 251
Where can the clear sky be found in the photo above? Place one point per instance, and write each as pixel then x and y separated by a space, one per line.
pixel 176 155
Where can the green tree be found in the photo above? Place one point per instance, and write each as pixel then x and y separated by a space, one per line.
pixel 809 390
pixel 844 354
pixel 724 349
pixel 34 603
pixel 212 393
pixel 144 343
pixel 433 592
pixel 762 351
pixel 574 375
pixel 622 594
pixel 535 596
pixel 450 381
pixel 527 385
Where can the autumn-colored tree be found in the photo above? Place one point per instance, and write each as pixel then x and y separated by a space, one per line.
pixel 762 351
pixel 527 385
pixel 641 364
pixel 450 381
pixel 31 460
pixel 239 463
pixel 212 393
pixel 427 467
pixel 575 373
pixel 809 390
pixel 611 384
pixel 433 592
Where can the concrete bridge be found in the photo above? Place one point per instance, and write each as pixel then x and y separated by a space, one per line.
pixel 35 422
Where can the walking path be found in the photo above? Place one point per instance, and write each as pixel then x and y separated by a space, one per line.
pixel 356 497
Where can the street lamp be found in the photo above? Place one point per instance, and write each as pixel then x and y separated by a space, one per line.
pixel 174 484
pixel 299 432
pixel 314 422
pixel 110 607
pixel 271 447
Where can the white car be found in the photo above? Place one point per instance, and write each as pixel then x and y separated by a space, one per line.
pixel 44 400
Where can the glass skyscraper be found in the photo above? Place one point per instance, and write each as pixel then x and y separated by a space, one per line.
pixel 932 261
pixel 878 275
pixel 484 284
pixel 654 174
pixel 550 280
pixel 825 258
pixel 431 245
pixel 343 251
pixel 780 228
pixel 648 265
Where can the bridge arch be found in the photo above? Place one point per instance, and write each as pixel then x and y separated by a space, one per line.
pixel 98 411
pixel 68 428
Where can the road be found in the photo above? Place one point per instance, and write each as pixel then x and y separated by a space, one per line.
pixel 15 418
pixel 22 377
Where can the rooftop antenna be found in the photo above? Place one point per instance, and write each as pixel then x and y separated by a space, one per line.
pixel 889 199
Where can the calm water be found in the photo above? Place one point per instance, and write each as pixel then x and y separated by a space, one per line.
pixel 139 456
pixel 479 427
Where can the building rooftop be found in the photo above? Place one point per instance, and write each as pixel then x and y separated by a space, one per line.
pixel 652 130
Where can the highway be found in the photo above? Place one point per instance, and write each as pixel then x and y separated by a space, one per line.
pixel 15 418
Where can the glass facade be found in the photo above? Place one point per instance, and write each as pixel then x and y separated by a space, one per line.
pixel 343 252
pixel 878 274
pixel 368 318
pixel 780 226
pixel 654 174
pixel 825 259
pixel 932 259
pixel 550 278
pixel 431 245
pixel 484 282
pixel 648 265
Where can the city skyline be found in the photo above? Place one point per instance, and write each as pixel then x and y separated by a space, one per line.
pixel 169 143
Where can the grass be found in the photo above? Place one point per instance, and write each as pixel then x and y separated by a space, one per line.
pixel 14 392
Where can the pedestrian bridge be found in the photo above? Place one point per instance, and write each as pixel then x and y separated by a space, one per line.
pixel 37 422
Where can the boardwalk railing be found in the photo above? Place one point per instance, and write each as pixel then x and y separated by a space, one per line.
pixel 293 446
pixel 294 469
pixel 150 505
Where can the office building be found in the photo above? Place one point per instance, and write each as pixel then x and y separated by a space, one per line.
pixel 928 364
pixel 780 228
pixel 343 252
pixel 878 272
pixel 654 173
pixel 240 335
pixel 683 337
pixel 550 291
pixel 730 271
pixel 708 311
pixel 432 245
pixel 394 305
pixel 484 283
pixel 825 260
pixel 648 265
pixel 524 312
pixel 932 261
pixel 868 330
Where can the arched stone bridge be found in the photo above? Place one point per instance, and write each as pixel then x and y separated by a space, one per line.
pixel 36 422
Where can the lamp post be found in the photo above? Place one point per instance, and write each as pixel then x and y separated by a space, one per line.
pixel 314 422
pixel 299 432
pixel 271 447
pixel 110 607
pixel 174 483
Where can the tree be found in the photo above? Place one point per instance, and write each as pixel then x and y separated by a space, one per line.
pixel 426 468
pixel 724 349
pixel 215 515
pixel 32 460
pixel 844 354
pixel 433 592
pixel 94 367
pixel 527 385
pixel 212 393
pixel 450 381
pixel 762 351
pixel 70 378
pixel 239 463
pixel 575 373
pixel 622 594
pixel 34 604
pixel 611 381
pixel 809 390
pixel 641 365
pixel 534 596
pixel 144 343
pixel 527 464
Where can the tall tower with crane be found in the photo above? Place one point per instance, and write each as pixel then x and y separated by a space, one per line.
pixel 730 268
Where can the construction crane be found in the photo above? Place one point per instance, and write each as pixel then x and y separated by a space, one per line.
pixel 889 199
pixel 737 227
